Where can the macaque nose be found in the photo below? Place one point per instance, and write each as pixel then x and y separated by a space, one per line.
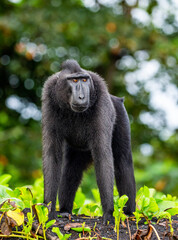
pixel 81 96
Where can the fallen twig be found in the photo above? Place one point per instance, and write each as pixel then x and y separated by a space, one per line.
pixel 155 231
pixel 40 232
pixel 128 228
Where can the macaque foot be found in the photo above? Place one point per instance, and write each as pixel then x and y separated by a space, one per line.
pixel 52 215
pixel 65 214
pixel 108 218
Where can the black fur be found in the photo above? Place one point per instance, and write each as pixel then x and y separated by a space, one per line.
pixel 73 137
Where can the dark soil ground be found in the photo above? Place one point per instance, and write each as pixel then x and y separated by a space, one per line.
pixel 107 231
pixel 127 230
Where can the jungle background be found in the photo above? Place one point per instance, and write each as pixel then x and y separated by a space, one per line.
pixel 132 44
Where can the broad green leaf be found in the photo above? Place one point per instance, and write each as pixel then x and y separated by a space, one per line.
pixel 16 215
pixel 66 236
pixel 123 217
pixel 137 215
pixel 79 199
pixel 96 195
pixel 142 197
pixel 116 211
pixel 50 223
pixel 93 208
pixel 122 201
pixel 4 193
pixel 152 192
pixel 173 211
pixel 58 232
pixel 5 178
pixel 84 210
pixel 42 212
pixel 164 215
pixel 18 202
pixel 143 191
pixel 75 211
pixel 26 193
pixel 16 193
pixel 26 196
pixel 145 202
pixel 152 207
pixel 169 197
pixel 163 205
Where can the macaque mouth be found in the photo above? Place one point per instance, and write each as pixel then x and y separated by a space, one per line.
pixel 79 107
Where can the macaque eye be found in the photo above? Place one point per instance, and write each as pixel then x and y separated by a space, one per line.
pixel 84 80
pixel 75 80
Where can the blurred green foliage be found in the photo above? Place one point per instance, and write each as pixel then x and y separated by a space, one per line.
pixel 107 37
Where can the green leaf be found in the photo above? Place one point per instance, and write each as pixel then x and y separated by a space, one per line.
pixel 79 199
pixel 16 193
pixel 59 234
pixel 5 192
pixel 42 212
pixel 18 202
pixel 122 201
pixel 66 236
pixel 81 229
pixel 163 205
pixel 123 217
pixel 5 178
pixel 172 211
pixel 169 197
pixel 26 196
pixel 145 202
pixel 143 191
pixel 50 223
pixel 137 216
pixel 96 195
pixel 74 211
pixel 152 207
pixel 164 215
pixel 93 208
pixel 152 192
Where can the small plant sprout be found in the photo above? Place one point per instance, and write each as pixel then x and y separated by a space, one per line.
pixel 146 204
pixel 82 229
pixel 28 227
pixel 168 216
pixel 138 217
pixel 59 234
pixel 119 213
pixel 92 208
pixel 42 215
pixel 94 226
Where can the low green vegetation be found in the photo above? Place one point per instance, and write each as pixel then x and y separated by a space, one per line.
pixel 22 210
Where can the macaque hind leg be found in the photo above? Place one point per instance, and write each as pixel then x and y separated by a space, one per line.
pixel 123 164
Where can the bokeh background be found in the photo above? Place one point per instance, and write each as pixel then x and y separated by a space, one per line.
pixel 133 44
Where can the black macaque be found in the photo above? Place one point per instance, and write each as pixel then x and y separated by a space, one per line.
pixel 82 122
